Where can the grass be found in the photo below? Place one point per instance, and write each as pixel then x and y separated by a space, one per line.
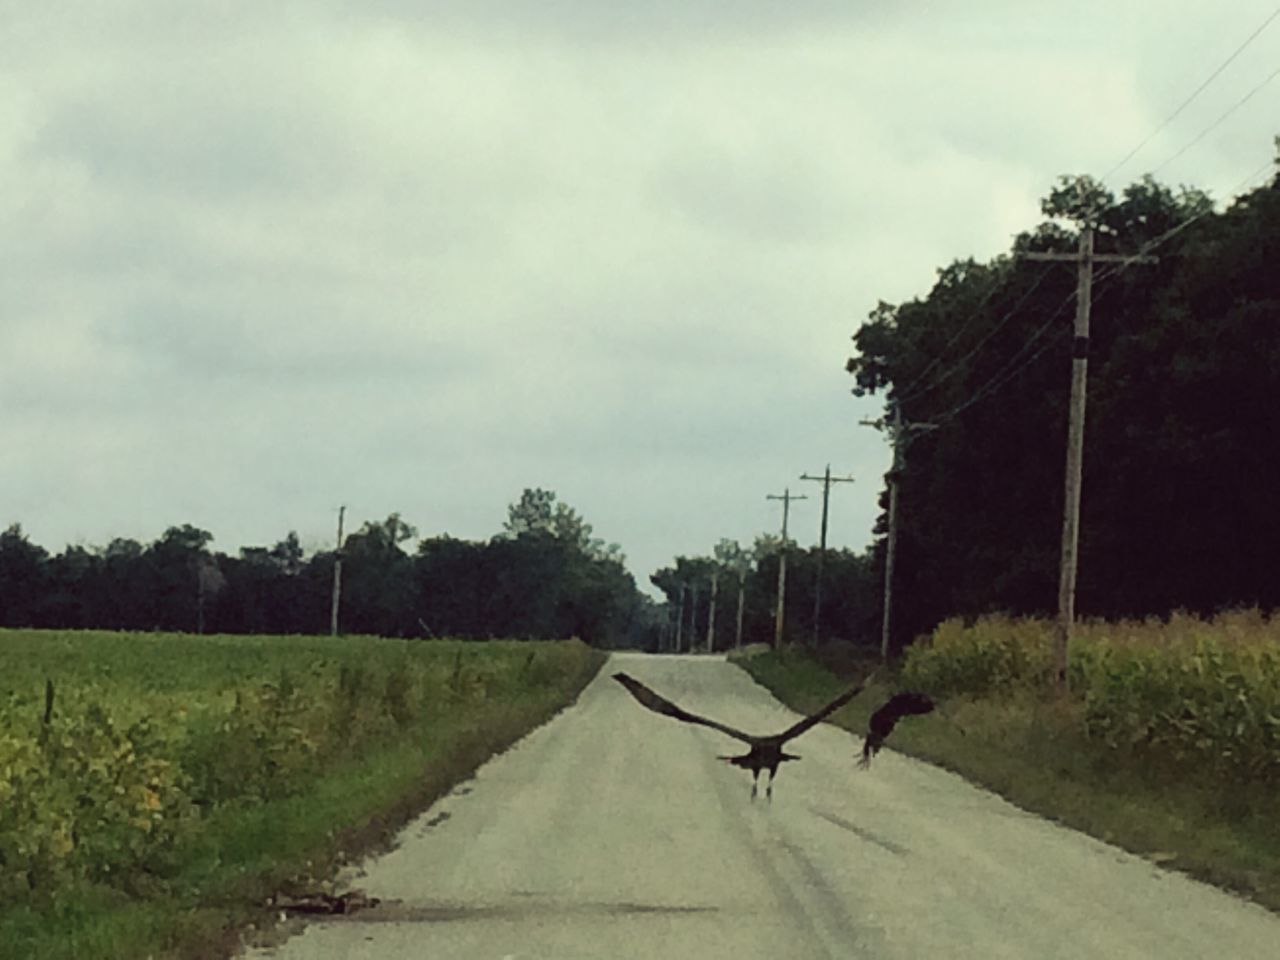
pixel 1034 752
pixel 244 850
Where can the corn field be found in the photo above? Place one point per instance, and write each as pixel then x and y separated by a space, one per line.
pixel 147 734
pixel 1185 690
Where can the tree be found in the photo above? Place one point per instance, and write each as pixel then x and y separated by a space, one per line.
pixel 73 590
pixel 171 571
pixel 737 562
pixel 1081 199
pixel 538 511
pixel 1185 366
pixel 379 588
pixel 542 576
pixel 22 578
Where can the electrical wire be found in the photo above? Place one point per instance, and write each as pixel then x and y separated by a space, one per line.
pixel 909 394
pixel 1213 126
pixel 1195 93
pixel 1013 368
pixel 959 364
pixel 1173 231
pixel 986 298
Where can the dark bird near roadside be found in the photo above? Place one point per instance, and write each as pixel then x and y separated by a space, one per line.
pixel 766 753
pixel 882 721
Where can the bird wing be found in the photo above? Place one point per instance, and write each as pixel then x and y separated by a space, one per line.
pixel 815 718
pixel 659 704
pixel 883 720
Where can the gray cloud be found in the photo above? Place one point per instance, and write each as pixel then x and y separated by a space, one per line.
pixel 263 259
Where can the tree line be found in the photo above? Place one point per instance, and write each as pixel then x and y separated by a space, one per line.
pixel 1183 421
pixel 542 576
pixel 703 591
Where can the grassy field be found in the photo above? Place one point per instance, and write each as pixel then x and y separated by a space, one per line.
pixel 1153 750
pixel 173 783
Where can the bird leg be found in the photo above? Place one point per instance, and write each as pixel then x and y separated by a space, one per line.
pixel 755 782
pixel 768 790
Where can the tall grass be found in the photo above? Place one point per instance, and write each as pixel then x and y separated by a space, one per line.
pixel 176 771
pixel 1185 692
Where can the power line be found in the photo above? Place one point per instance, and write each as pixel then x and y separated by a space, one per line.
pixel 1195 93
pixel 959 364
pixel 1009 371
pixel 1178 228
pixel 1213 126
pixel 1013 367
pixel 1105 274
pixel 959 331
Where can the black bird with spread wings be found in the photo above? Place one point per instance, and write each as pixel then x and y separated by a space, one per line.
pixel 766 753
pixel 907 703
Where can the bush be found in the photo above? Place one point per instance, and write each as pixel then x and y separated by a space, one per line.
pixel 1187 691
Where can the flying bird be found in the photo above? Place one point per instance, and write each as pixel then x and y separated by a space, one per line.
pixel 766 753
pixel 898 706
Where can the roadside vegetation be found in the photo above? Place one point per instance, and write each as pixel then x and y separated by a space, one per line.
pixel 173 783
pixel 1168 745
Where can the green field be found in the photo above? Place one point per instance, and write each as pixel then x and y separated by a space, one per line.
pixel 178 780
pixel 1168 744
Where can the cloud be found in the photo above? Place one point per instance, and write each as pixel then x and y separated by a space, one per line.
pixel 263 259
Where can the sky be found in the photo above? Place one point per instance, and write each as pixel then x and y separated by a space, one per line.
pixel 264 259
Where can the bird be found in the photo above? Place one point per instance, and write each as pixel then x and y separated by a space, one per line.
pixel 906 703
pixel 766 753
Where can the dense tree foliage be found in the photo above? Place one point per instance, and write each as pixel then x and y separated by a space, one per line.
pixel 544 576
pixel 1182 425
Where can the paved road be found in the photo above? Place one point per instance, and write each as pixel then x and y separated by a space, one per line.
pixel 614 832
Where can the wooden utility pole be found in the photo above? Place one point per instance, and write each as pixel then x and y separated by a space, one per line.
pixel 693 619
pixel 711 617
pixel 742 592
pixel 200 588
pixel 337 579
pixel 826 480
pixel 898 435
pixel 1085 259
pixel 891 547
pixel 680 620
pixel 786 499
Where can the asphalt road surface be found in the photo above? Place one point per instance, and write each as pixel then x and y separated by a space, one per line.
pixel 613 832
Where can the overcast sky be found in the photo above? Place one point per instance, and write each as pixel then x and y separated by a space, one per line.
pixel 262 259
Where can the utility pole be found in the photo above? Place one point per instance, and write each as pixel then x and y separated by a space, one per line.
pixel 693 619
pixel 826 480
pixel 898 435
pixel 786 499
pixel 891 546
pixel 742 591
pixel 1085 259
pixel 337 578
pixel 680 620
pixel 200 581
pixel 711 617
